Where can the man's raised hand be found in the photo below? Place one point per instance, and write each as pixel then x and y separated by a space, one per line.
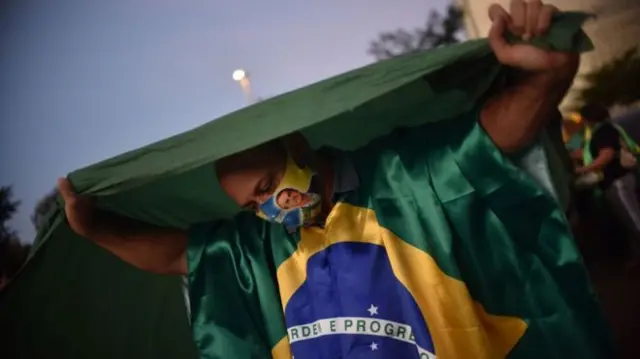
pixel 78 209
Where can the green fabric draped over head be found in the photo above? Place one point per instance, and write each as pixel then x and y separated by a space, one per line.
pixel 73 299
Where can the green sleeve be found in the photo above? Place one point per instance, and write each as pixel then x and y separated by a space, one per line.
pixel 235 308
pixel 537 162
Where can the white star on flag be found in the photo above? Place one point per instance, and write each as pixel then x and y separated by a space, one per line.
pixel 373 346
pixel 373 310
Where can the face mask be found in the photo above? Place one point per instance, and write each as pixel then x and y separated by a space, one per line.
pixel 292 203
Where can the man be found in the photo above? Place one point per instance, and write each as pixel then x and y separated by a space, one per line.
pixel 348 253
pixel 606 157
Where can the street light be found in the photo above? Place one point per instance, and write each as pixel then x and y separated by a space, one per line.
pixel 239 74
pixel 242 77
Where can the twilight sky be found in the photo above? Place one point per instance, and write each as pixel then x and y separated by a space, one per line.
pixel 84 80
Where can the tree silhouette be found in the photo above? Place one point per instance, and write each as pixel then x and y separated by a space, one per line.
pixel 439 30
pixel 12 253
pixel 8 207
pixel 43 208
pixel 615 83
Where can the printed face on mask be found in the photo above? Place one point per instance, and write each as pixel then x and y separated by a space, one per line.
pixel 291 198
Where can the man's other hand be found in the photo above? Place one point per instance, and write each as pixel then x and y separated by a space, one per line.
pixel 526 19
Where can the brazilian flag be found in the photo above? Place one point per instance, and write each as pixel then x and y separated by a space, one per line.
pixel 446 249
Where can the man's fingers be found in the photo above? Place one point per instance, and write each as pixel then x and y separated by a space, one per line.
pixel 495 11
pixel 498 44
pixel 544 18
pixel 518 17
pixel 65 189
pixel 533 11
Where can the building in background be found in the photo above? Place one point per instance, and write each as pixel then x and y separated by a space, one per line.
pixel 615 30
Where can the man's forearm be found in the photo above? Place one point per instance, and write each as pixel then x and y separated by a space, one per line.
pixel 150 248
pixel 514 117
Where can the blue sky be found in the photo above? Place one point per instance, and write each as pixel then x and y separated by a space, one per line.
pixel 84 80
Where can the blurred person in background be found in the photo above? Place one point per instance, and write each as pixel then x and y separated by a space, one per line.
pixel 608 155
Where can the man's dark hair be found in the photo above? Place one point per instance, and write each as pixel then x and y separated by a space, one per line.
pixel 594 113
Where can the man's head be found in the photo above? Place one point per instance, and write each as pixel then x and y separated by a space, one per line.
pixel 251 176
pixel 593 113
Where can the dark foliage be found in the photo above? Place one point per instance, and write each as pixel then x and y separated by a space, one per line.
pixel 439 30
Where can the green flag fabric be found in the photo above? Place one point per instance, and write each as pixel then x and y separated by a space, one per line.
pixel 74 300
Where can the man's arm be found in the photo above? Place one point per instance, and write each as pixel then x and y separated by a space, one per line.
pixel 150 248
pixel 537 82
pixel 514 117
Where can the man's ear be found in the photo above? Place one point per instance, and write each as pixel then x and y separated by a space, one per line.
pixel 299 149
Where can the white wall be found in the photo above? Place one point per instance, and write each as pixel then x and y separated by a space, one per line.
pixel 616 29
